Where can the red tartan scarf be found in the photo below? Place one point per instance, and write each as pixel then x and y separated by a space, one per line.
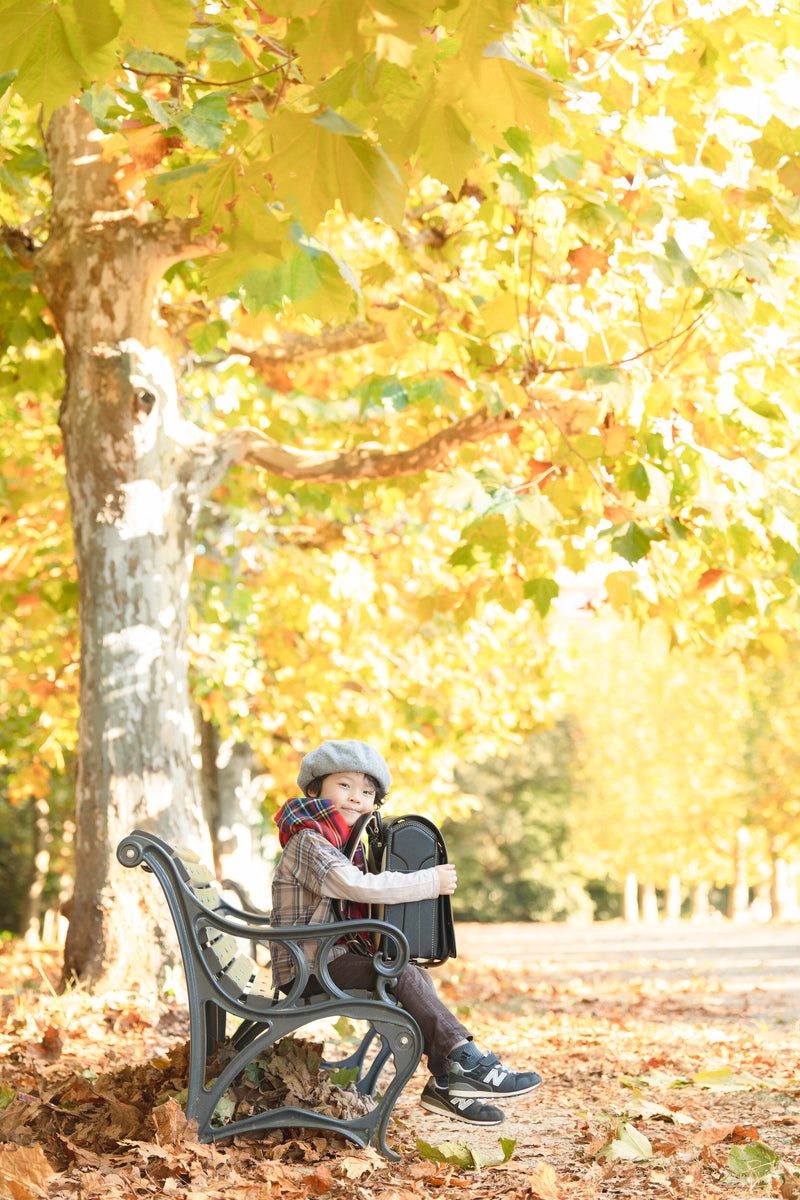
pixel 309 812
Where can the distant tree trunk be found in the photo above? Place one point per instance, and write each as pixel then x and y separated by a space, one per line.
pixel 672 904
pixel 32 912
pixel 701 905
pixel 231 800
pixel 630 899
pixel 782 901
pixel 649 904
pixel 739 894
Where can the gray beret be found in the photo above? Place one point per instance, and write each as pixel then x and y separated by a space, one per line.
pixel 344 756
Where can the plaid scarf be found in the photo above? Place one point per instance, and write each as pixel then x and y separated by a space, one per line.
pixel 309 812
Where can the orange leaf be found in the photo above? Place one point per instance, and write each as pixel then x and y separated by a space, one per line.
pixel 584 260
pixel 544 1183
pixel 320 1182
pixel 709 578
pixel 24 1168
pixel 745 1133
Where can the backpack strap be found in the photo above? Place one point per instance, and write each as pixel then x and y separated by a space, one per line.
pixel 369 825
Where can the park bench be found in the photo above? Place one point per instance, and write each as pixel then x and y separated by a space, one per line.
pixel 233 1006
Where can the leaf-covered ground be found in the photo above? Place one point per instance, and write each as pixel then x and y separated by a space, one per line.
pixel 681 1088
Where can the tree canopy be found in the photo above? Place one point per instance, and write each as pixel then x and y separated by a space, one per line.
pixel 508 211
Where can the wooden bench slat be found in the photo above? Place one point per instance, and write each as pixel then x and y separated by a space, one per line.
pixel 262 986
pixel 240 971
pixel 186 854
pixel 209 897
pixel 198 873
pixel 221 952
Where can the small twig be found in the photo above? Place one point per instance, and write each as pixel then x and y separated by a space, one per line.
pixel 621 362
pixel 185 75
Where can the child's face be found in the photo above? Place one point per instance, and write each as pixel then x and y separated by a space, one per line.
pixel 351 794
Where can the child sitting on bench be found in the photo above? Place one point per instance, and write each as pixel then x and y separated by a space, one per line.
pixel 340 781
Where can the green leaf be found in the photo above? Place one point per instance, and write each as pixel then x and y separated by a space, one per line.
pixel 310 156
pixel 683 269
pixel 542 592
pixel 753 1161
pixel 345 1028
pixel 385 393
pixel 730 301
pixel 333 122
pixel 640 1107
pixel 154 64
pixel 225 1110
pixel 464 492
pixel 56 47
pixel 344 1076
pixel 634 542
pixel 445 146
pixel 600 375
pixel 462 1154
pixel 627 1144
pixel 562 164
pixel 161 25
pixel 726 1080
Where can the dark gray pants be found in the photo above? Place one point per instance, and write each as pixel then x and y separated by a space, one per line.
pixel 415 991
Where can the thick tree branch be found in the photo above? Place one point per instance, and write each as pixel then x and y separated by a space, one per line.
pixel 296 347
pixel 371 462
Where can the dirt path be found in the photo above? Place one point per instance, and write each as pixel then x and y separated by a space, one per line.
pixel 595 1005
pixel 754 966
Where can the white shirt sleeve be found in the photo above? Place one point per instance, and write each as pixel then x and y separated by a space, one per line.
pixel 347 882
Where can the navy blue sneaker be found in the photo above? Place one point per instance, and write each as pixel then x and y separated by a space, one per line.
pixel 459 1108
pixel 489 1079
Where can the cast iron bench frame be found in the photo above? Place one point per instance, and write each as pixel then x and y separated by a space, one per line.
pixel 223 982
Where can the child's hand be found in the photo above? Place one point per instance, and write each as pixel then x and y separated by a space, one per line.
pixel 447 879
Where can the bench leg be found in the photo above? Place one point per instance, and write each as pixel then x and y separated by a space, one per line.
pixel 365 1083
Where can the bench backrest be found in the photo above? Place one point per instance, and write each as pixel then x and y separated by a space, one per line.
pixel 220 953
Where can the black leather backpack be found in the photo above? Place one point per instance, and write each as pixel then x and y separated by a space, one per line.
pixel 409 843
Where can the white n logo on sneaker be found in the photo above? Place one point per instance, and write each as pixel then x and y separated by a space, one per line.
pixel 495 1076
pixel 461 1102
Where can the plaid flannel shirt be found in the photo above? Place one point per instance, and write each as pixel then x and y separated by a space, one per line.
pixel 297 897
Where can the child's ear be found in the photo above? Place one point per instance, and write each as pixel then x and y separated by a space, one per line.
pixel 313 788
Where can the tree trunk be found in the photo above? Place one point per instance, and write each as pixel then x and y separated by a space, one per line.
pixel 649 904
pixel 135 482
pixel 739 895
pixel 672 904
pixel 782 901
pixel 232 791
pixel 701 906
pixel 32 912
pixel 630 899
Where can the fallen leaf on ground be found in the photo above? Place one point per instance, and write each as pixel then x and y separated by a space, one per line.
pixel 24 1171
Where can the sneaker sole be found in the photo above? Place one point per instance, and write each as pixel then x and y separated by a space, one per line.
pixel 442 1111
pixel 469 1091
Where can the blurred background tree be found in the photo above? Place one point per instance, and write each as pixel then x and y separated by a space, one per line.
pixel 513 851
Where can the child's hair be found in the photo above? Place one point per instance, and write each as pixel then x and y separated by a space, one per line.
pixel 331 757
